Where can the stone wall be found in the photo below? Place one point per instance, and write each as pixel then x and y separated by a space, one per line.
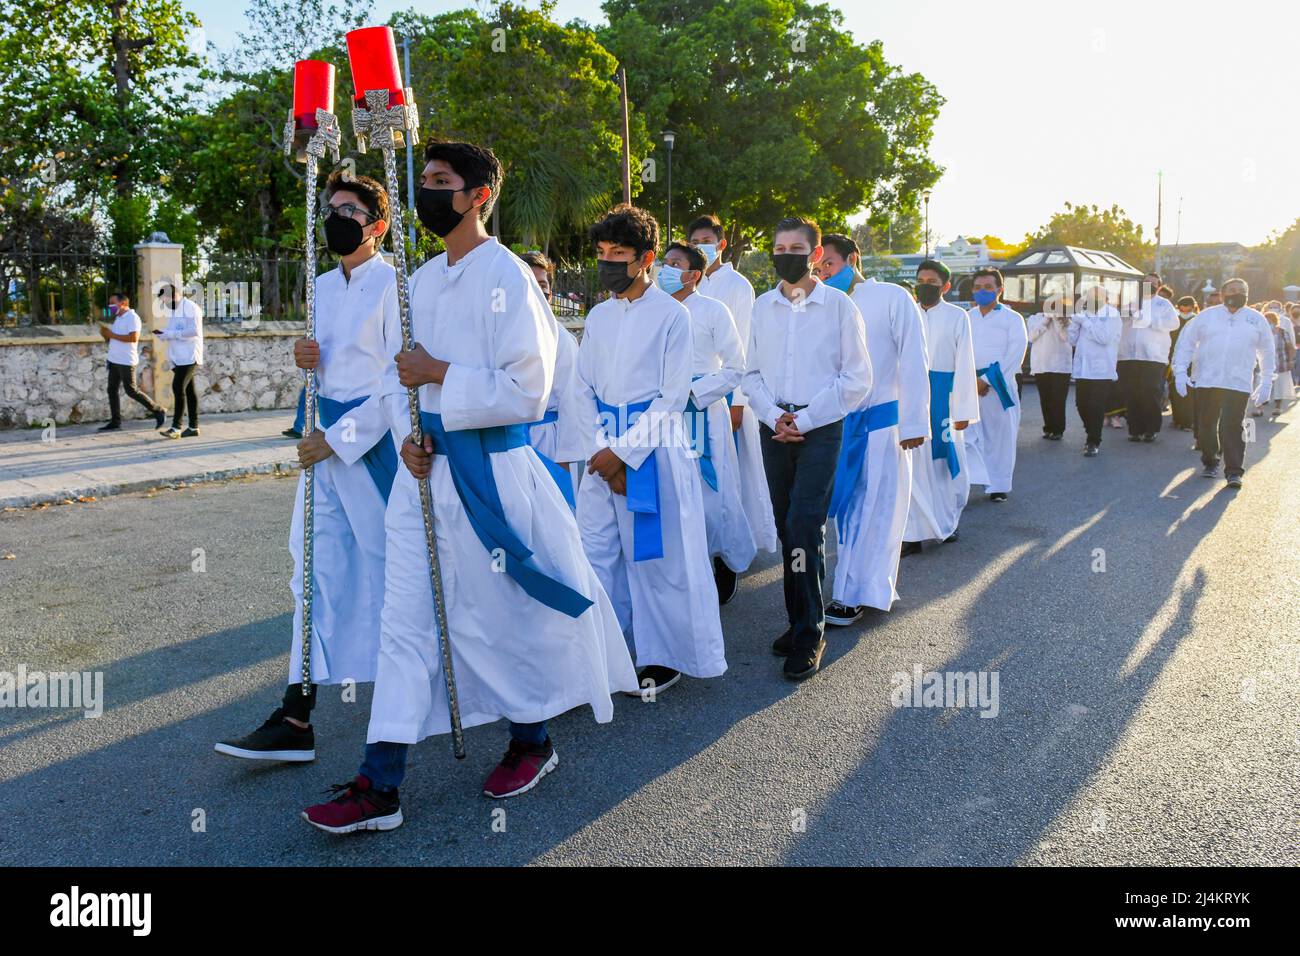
pixel 59 373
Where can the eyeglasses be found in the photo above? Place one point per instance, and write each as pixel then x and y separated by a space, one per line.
pixel 347 210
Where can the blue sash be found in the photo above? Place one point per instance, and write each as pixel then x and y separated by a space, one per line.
pixel 380 461
pixel 563 477
pixel 852 464
pixel 467 452
pixel 642 486
pixel 700 438
pixel 993 375
pixel 940 411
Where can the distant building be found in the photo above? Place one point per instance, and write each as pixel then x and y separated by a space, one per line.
pixel 1199 268
pixel 961 255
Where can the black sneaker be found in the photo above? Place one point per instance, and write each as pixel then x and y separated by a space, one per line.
pixel 842 615
pixel 159 416
pixel 110 427
pixel 1135 438
pixel 725 579
pixel 952 538
pixel 277 739
pixel 192 432
pixel 1055 436
pixel 1211 471
pixel 1234 481
pixel 1148 438
pixel 292 433
pixel 804 661
pixel 998 496
pixel 1091 451
pixel 654 680
pixel 781 646
pixel 172 432
pixel 910 547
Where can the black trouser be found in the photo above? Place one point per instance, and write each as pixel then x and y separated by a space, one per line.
pixel 1141 383
pixel 1184 409
pixel 296 705
pixel 122 378
pixel 1053 387
pixel 1220 414
pixel 184 395
pixel 800 478
pixel 1090 396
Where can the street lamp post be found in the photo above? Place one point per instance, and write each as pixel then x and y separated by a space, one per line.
pixel 926 196
pixel 669 138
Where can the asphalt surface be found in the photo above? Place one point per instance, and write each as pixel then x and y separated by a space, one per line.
pixel 1147 712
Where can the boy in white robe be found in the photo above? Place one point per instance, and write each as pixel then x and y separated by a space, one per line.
pixel 723 282
pixel 873 483
pixel 719 362
pixel 640 509
pixel 532 634
pixel 940 476
pixel 354 460
pixel 1000 339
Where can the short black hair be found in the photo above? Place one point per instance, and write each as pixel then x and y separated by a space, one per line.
pixel 698 260
pixel 841 243
pixel 805 225
pixel 120 296
pixel 935 266
pixel 989 271
pixel 1187 301
pixel 627 225
pixel 538 260
pixel 477 165
pixel 707 221
pixel 369 191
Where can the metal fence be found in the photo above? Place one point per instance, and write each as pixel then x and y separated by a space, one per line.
pixel 236 288
pixel 70 287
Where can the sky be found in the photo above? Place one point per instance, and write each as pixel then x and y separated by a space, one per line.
pixel 1083 103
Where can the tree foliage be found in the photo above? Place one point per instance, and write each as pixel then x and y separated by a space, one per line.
pixel 1091 227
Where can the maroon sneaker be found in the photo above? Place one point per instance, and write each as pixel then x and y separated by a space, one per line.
pixel 357 807
pixel 520 769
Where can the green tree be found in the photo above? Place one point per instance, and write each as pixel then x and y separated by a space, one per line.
pixel 1091 227
pixel 777 110
pixel 1280 258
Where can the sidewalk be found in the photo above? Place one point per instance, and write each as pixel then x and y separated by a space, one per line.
pixel 82 462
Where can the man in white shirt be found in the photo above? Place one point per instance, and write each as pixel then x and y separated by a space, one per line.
pixel 723 282
pixel 999 338
pixel 1223 345
pixel 940 476
pixel 184 338
pixel 354 462
pixel 1050 362
pixel 873 480
pixel 808 369
pixel 1143 358
pixel 1095 331
pixel 719 362
pixel 123 338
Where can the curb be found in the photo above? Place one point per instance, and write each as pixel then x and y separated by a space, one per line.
pixel 108 489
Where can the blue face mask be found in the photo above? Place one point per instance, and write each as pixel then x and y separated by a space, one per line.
pixel 985 297
pixel 841 280
pixel 670 279
pixel 710 251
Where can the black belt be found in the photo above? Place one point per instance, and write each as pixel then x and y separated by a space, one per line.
pixel 790 407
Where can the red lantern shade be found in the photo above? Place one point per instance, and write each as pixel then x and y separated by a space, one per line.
pixel 372 54
pixel 313 87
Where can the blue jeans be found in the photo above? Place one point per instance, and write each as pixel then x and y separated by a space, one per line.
pixel 300 420
pixel 385 763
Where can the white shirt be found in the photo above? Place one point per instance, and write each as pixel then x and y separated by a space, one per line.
pixel 1146 335
pixel 1049 344
pixel 184 333
pixel 1095 337
pixel 734 291
pixel 124 353
pixel 948 344
pixel 896 347
pixel 812 352
pixel 1225 347
pixel 999 337
pixel 719 358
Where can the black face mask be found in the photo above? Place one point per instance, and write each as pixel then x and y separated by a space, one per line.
pixel 343 235
pixel 613 276
pixel 790 266
pixel 1236 300
pixel 435 212
pixel 929 294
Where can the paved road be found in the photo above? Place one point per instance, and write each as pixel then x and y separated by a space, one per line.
pixel 1146 713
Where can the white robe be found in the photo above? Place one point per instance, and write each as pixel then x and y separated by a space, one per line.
pixel 562 440
pixel 937 497
pixel 734 291
pixel 513 656
pixel 358 331
pixel 866 567
pixel 719 362
pixel 632 352
pixel 1001 337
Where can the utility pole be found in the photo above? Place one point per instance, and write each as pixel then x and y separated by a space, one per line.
pixel 627 156
pixel 1160 208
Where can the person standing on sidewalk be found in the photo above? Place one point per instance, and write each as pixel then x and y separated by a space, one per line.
pixel 123 338
pixel 184 338
pixel 1224 342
